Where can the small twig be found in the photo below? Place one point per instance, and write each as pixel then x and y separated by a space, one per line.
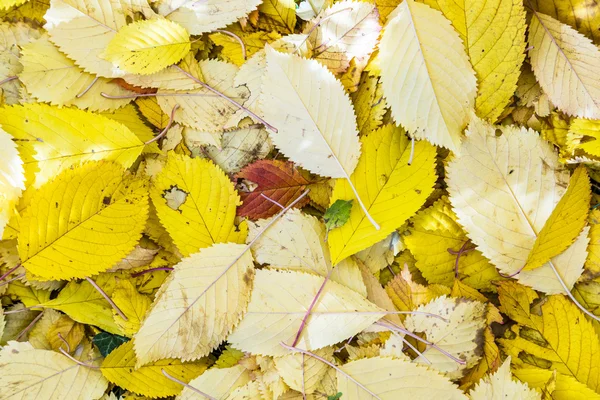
pixel 28 327
pixel 236 37
pixel 272 201
pixel 10 78
pixel 412 150
pixel 351 313
pixel 12 279
pixel 164 131
pixel 229 99
pixel 459 253
pixel 193 389
pixel 529 48
pixel 313 355
pixel 10 271
pixel 417 337
pixel 147 271
pixel 310 308
pixel 391 270
pixel 87 89
pixel 103 293
pixel 60 336
pixel 76 360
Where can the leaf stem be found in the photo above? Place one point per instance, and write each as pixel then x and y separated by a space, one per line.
pixel 272 201
pixel 60 336
pixel 87 89
pixel 10 271
pixel 12 279
pixel 360 203
pixel 417 337
pixel 229 99
pixel 310 308
pixel 187 385
pixel 103 293
pixel 28 327
pixel 459 253
pixel 315 26
pixel 313 355
pixel 135 96
pixel 6 80
pixel 236 37
pixel 412 150
pixel 76 360
pixel 570 295
pixel 164 131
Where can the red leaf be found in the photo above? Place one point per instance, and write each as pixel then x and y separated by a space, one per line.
pixel 278 180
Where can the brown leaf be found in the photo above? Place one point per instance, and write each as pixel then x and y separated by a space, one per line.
pixel 278 180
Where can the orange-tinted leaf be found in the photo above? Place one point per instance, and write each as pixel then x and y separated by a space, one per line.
pixel 278 180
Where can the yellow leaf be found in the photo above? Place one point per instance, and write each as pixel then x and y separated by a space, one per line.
pixel 402 379
pixel 391 193
pixel 369 104
pixel 129 117
pixel 148 380
pixel 207 15
pixel 584 134
pixel 150 109
pixel 145 47
pixel 28 373
pixel 240 147
pixel 491 189
pixel 278 14
pixel 12 178
pixel 65 333
pixel 567 66
pixel 215 284
pixel 27 294
pixel 196 203
pixel 52 139
pixel 501 386
pixel 82 29
pixel 201 109
pixel 494 37
pixel 580 14
pixel 84 304
pixel 253 42
pixel 83 222
pixel 50 76
pixel 592 264
pixel 217 382
pixel 38 334
pixel 442 79
pixel 277 306
pixel 133 304
pixel 551 333
pixel 229 358
pixel 461 335
pixel 300 98
pixel 435 230
pixel 565 223
pixel 558 386
pixel 406 294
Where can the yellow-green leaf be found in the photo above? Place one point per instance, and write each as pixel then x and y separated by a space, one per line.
pixel 435 230
pixel 133 304
pixel 83 222
pixel 391 193
pixel 148 380
pixel 493 33
pixel 556 385
pixel 564 224
pixel 145 47
pixel 52 139
pixel 584 134
pixel 196 203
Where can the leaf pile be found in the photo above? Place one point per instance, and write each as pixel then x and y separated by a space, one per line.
pixel 309 199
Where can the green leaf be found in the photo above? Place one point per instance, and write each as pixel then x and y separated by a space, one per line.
pixel 337 214
pixel 107 342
